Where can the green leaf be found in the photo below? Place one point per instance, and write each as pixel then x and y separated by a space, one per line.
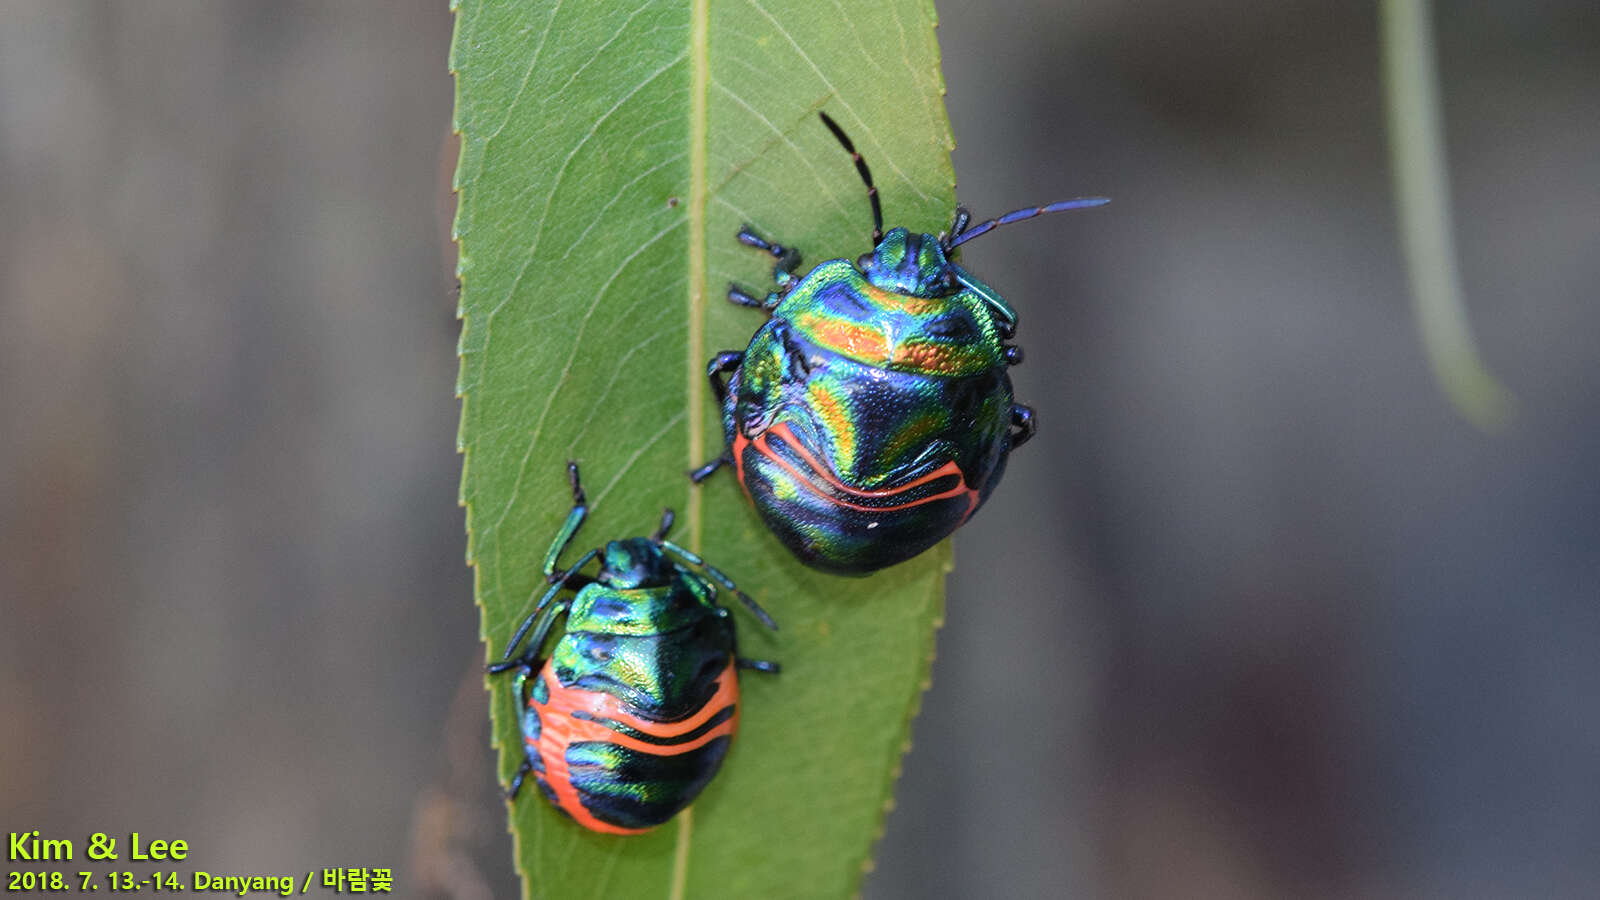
pixel 609 152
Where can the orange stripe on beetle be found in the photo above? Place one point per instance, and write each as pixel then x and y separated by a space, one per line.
pixel 782 430
pixel 559 729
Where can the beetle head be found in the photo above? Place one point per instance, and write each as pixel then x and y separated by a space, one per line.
pixel 632 563
pixel 908 263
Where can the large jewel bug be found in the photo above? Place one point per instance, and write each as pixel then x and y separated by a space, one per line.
pixel 872 414
pixel 631 714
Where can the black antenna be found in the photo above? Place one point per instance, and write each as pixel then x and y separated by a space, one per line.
pixel 962 234
pixel 866 176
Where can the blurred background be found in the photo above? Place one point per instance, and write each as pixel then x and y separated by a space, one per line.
pixel 1275 621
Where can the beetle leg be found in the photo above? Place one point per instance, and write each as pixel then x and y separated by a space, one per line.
pixel 578 498
pixel 739 295
pixel 1022 420
pixel 667 516
pixel 519 699
pixel 721 578
pixel 693 557
pixel 569 528
pixel 743 297
pixel 516 780
pixel 743 662
pixel 571 579
pixel 719 365
pixel 705 471
pixel 546 619
pixel 788 258
pixel 754 607
pixel 783 270
pixel 959 224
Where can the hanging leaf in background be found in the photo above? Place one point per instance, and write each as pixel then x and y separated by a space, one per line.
pixel 609 152
pixel 1422 207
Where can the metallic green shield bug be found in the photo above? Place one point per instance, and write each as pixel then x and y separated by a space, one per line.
pixel 631 714
pixel 872 414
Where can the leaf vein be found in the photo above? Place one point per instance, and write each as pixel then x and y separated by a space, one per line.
pixel 805 158
pixel 595 220
pixel 867 127
pixel 617 366
pixel 627 464
pixel 599 53
pixel 566 369
pixel 561 173
pixel 511 108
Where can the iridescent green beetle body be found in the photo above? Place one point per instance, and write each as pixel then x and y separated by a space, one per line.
pixel 872 414
pixel 632 713
pixel 865 423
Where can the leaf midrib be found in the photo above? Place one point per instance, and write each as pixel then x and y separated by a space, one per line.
pixel 699 81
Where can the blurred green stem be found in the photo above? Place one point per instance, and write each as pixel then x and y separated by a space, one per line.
pixel 1422 202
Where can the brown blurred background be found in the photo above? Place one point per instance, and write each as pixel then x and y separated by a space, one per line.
pixel 1256 616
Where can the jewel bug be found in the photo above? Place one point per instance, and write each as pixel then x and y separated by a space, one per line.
pixel 631 714
pixel 872 414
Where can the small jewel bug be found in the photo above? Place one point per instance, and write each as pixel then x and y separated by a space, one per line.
pixel 631 714
pixel 872 414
